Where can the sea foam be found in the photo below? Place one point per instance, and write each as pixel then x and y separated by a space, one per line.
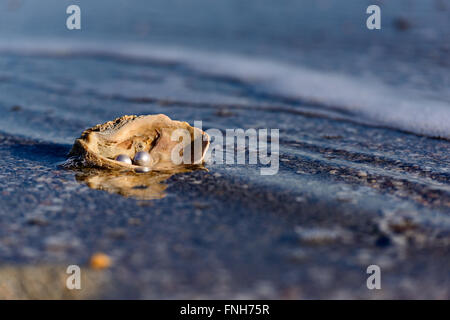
pixel 365 100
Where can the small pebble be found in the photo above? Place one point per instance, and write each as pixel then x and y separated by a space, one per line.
pixel 224 113
pixel 16 108
pixel 37 221
pixel 134 221
pixel 100 261
pixel 402 24
pixel 362 174
pixel 201 205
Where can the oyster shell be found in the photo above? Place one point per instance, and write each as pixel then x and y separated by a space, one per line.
pixel 99 146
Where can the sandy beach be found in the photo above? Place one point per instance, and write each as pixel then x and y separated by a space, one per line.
pixel 364 153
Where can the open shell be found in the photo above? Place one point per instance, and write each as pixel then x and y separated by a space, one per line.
pixel 157 134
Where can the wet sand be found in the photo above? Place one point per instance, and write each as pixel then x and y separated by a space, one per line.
pixel 346 196
pixel 356 184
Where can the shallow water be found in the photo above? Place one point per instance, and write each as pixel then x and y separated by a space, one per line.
pixel 360 181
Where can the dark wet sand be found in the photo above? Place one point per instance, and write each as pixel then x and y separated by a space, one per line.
pixel 346 196
pixel 229 233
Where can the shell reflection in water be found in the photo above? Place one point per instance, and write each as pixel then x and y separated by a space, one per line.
pixel 148 186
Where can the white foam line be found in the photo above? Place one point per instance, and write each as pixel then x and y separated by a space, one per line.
pixel 371 101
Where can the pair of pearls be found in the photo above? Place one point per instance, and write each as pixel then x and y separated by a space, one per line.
pixel 141 158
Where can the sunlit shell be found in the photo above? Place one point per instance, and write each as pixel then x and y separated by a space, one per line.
pixel 100 145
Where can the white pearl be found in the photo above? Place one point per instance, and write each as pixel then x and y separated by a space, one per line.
pixel 123 158
pixel 142 158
